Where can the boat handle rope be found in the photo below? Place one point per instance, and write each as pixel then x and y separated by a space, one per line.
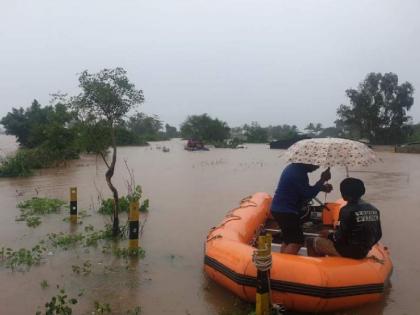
pixel 376 259
pixel 231 217
pixel 213 237
pixel 262 262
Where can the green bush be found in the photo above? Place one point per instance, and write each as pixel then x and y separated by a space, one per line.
pixel 18 165
pixel 26 160
pixel 107 205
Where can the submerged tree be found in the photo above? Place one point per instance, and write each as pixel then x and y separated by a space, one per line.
pixel 255 133
pixel 203 127
pixel 378 109
pixel 106 98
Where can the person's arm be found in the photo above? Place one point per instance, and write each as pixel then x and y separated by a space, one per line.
pixel 305 190
pixel 308 191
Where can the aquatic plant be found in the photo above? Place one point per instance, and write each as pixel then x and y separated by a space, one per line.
pixel 33 221
pixel 129 252
pixel 15 259
pixel 44 284
pixel 65 241
pixel 32 209
pixel 134 311
pixel 59 304
pixel 101 308
pixel 85 268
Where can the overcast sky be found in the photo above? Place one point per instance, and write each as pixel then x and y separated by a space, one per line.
pixel 274 61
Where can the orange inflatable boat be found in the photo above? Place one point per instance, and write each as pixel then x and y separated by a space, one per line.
pixel 300 283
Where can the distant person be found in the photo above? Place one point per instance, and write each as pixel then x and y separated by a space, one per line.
pixel 292 193
pixel 359 229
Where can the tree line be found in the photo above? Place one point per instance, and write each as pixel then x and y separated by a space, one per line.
pixel 68 126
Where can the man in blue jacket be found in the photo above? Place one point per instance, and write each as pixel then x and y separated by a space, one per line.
pixel 292 192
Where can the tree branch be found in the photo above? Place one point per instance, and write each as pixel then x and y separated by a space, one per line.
pixel 103 158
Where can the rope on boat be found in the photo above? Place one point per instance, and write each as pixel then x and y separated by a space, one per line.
pixel 214 237
pixel 262 262
pixel 376 259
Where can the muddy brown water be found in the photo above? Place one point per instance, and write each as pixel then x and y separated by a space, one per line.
pixel 189 192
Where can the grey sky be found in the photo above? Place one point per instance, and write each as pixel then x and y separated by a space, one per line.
pixel 273 61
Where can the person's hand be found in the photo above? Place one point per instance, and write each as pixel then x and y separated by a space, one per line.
pixel 327 188
pixel 326 175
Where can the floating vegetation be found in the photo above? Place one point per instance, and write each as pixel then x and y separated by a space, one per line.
pixel 23 257
pixel 129 252
pixel 101 308
pixel 105 308
pixel 15 259
pixel 60 304
pixel 32 209
pixel 84 269
pixel 80 215
pixel 65 241
pixel 44 284
pixel 134 311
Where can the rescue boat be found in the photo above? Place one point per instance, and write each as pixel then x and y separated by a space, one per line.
pixel 298 282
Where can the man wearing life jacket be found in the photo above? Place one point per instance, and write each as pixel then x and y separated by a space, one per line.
pixel 359 229
pixel 292 192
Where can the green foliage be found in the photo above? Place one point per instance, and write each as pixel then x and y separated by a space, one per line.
pixel 84 269
pixel 129 252
pixel 148 127
pixel 22 257
pixel 59 304
pixel 107 205
pixel 107 95
pixel 255 133
pixel 134 311
pixel 65 241
pixel 32 209
pixel 106 98
pixel 46 127
pixel 415 133
pixel 125 136
pixel 377 110
pixel 282 132
pixel 20 164
pixel 44 284
pixel 26 160
pixel 171 132
pixel 204 128
pixel 101 308
pixel 33 221
pixel 41 206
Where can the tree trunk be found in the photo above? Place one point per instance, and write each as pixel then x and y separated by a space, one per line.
pixel 108 175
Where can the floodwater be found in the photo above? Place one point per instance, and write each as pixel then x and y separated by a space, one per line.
pixel 189 193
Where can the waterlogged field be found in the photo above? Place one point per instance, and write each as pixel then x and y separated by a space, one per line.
pixel 189 193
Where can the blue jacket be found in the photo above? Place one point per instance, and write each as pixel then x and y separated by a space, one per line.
pixel 293 190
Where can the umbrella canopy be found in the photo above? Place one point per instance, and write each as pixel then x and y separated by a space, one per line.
pixel 331 152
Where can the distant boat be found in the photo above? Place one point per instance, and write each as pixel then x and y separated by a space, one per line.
pixel 284 144
pixel 165 149
pixel 195 145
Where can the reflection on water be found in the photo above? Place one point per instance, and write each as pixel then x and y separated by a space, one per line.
pixel 189 193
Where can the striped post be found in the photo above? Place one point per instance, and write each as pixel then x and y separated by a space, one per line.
pixel 133 225
pixel 73 204
pixel 263 298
